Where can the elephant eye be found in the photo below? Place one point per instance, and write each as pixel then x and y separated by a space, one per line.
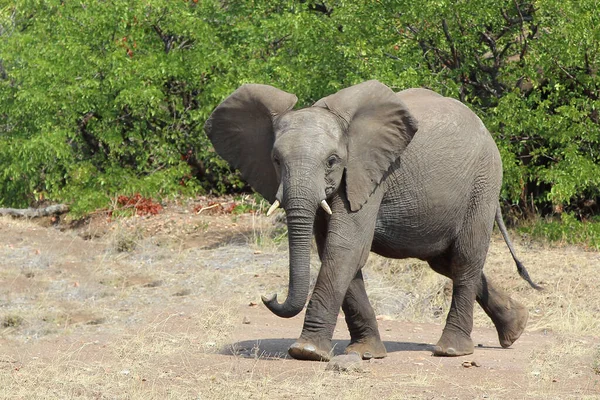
pixel 332 160
pixel 276 161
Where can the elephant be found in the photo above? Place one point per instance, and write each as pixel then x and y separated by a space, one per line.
pixel 408 174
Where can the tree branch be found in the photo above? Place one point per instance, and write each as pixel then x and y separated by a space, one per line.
pixel 451 44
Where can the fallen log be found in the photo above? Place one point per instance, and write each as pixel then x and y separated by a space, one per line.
pixel 54 209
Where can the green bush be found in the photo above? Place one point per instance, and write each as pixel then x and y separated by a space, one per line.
pixel 101 98
pixel 566 229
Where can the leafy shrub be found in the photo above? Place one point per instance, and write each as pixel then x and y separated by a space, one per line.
pixel 100 99
pixel 566 229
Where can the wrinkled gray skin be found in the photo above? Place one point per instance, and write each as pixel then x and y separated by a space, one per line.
pixel 409 174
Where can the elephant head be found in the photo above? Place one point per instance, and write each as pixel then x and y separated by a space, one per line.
pixel 345 143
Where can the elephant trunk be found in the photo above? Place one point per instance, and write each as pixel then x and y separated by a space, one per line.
pixel 300 221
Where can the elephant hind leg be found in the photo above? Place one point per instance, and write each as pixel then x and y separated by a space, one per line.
pixel 361 321
pixel 508 315
pixel 456 336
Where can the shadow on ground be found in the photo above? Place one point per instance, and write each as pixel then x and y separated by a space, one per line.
pixel 277 348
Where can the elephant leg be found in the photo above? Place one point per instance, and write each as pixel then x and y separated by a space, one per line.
pixel 508 315
pixel 321 315
pixel 360 318
pixel 463 262
pixel 344 243
pixel 359 315
pixel 456 336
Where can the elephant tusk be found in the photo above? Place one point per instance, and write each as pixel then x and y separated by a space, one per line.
pixel 325 207
pixel 274 207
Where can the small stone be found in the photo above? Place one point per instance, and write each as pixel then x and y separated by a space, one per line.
pixel 246 321
pixel 125 372
pixel 252 304
pixel 469 364
pixel 345 363
pixel 480 345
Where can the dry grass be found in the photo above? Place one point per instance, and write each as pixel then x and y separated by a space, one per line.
pixel 165 367
pixel 569 275
pixel 134 367
pixel 144 316
pixel 406 289
pixel 553 367
pixel 268 233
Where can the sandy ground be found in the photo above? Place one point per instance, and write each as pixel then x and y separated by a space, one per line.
pixel 169 307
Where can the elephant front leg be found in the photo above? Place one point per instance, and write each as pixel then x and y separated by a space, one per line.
pixel 362 324
pixel 315 341
pixel 344 244
pixel 321 315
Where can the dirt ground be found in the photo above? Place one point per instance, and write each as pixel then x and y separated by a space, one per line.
pixel 168 307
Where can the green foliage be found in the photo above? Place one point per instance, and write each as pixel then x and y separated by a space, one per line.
pixel 249 204
pixel 566 229
pixel 529 69
pixel 99 99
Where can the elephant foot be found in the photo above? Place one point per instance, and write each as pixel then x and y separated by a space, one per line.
pixel 453 344
pixel 304 349
pixel 367 348
pixel 512 323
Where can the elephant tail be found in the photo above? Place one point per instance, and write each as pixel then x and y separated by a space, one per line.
pixel 520 267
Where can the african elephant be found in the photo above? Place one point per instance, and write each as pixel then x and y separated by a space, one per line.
pixel 408 174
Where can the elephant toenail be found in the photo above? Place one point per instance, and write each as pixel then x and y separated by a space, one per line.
pixel 367 356
pixel 296 346
pixel 310 347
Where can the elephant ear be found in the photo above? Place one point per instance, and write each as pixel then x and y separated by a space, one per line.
pixel 241 130
pixel 379 128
